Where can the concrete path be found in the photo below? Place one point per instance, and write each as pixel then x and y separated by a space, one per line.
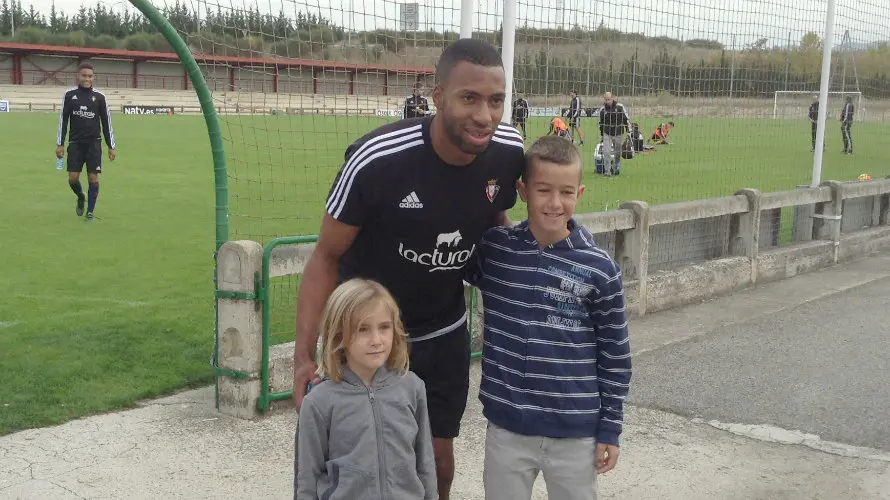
pixel 777 392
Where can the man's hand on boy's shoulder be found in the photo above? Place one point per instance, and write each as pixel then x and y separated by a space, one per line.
pixel 606 456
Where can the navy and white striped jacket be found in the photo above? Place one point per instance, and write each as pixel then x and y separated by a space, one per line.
pixel 556 356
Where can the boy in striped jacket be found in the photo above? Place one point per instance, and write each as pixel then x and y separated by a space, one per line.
pixel 556 361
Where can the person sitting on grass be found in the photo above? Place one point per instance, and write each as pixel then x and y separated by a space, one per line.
pixel 660 136
pixel 636 136
pixel 559 128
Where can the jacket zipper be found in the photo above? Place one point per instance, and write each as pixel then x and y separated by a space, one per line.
pixel 381 462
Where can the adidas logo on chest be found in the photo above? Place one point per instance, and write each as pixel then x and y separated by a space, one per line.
pixel 411 201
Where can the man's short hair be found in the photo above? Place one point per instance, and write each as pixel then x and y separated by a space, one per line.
pixel 553 149
pixel 471 50
pixel 85 65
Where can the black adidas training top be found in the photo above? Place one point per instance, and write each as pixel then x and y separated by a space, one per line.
pixel 420 217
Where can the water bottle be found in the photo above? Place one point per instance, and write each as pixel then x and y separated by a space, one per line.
pixel 60 163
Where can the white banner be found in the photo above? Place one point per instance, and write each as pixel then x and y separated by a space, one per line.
pixel 393 113
pixel 532 111
pixel 409 18
pixel 4 106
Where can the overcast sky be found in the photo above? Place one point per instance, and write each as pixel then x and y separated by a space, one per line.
pixel 748 20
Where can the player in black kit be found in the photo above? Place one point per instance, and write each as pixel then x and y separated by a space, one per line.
pixel 416 104
pixel 407 209
pixel 86 109
pixel 520 113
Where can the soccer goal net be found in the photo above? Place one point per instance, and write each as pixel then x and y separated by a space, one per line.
pixel 795 104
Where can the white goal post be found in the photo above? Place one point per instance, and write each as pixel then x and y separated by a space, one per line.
pixel 806 99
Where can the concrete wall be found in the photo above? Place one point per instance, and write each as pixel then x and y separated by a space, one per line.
pixel 6 66
pixel 295 81
pixel 670 255
pixel 369 83
pixel 155 75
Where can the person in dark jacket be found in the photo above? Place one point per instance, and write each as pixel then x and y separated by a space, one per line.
pixel 520 113
pixel 614 124
pixel 416 105
pixel 574 115
pixel 86 111
pixel 813 115
pixel 846 123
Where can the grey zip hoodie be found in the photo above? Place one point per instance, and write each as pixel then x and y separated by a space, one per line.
pixel 383 449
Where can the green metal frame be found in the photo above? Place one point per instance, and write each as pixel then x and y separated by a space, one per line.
pixel 262 297
pixel 214 131
pixel 266 396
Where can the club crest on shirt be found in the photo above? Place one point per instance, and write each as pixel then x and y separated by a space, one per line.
pixel 491 189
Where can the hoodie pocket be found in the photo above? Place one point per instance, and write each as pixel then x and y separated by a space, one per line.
pixel 347 483
pixel 406 484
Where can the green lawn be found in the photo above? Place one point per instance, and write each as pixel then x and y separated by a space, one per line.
pixel 99 315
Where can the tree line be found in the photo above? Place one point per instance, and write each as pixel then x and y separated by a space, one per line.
pixel 755 70
pixel 739 75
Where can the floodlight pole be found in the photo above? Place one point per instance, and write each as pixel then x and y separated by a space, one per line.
pixel 466 18
pixel 827 44
pixel 508 50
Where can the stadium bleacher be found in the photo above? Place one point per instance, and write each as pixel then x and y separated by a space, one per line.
pixel 49 98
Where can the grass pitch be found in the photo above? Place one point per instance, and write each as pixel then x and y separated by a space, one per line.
pixel 97 316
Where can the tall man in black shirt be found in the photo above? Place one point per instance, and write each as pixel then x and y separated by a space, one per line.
pixel 575 116
pixel 416 105
pixel 813 115
pixel 846 123
pixel 85 108
pixel 520 113
pixel 407 209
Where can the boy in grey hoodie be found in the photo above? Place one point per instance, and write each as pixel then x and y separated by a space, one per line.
pixel 364 432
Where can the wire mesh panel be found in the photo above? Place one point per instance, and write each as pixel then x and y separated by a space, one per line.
pixel 717 96
pixel 857 213
pixel 720 72
pixel 296 82
pixel 677 244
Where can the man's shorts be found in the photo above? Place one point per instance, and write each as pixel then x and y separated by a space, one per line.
pixel 575 121
pixel 443 363
pixel 85 152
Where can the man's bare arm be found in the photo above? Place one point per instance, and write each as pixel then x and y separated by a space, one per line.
pixel 318 281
